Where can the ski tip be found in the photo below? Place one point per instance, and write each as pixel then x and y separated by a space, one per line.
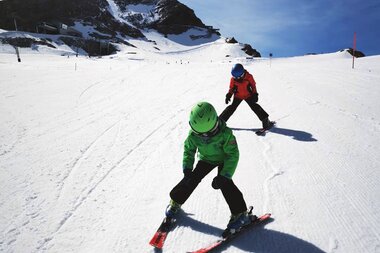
pixel 156 245
pixel 265 216
pixel 158 240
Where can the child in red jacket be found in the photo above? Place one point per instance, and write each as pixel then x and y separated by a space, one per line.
pixel 243 87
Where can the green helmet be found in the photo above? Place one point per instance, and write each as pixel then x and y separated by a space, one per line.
pixel 203 117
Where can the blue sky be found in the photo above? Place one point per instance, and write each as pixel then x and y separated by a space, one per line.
pixel 297 27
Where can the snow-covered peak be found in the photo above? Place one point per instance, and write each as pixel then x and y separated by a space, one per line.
pixel 93 27
pixel 137 15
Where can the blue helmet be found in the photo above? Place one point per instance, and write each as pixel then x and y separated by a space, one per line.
pixel 237 70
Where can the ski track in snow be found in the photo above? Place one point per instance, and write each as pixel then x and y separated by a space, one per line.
pixel 273 171
pixel 84 173
pixel 86 192
pixel 85 153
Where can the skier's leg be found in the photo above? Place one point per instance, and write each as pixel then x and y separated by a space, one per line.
pixel 233 197
pixel 182 191
pixel 226 114
pixel 256 108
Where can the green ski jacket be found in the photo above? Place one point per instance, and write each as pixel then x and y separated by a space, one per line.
pixel 220 149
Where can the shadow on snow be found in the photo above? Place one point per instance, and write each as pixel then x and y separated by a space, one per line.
pixel 295 134
pixel 256 239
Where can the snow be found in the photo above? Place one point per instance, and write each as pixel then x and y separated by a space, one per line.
pixel 194 36
pixel 115 11
pixel 145 12
pixel 141 8
pixel 60 48
pixel 90 148
pixel 86 30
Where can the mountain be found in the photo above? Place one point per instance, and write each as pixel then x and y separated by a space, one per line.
pixel 100 13
pixel 92 24
pixel 31 13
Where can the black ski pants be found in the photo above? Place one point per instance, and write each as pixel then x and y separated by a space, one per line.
pixel 182 191
pixel 251 101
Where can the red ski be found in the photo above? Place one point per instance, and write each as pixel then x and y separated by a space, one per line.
pixel 223 241
pixel 159 237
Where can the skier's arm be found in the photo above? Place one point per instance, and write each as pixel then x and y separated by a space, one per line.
pixel 232 90
pixel 252 84
pixel 189 154
pixel 232 156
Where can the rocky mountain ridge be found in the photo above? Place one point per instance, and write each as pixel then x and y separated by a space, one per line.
pixel 112 21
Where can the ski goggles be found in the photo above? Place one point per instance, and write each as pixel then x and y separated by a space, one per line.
pixel 210 133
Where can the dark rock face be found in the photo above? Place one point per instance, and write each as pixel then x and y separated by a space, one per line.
pixel 250 51
pixel 123 3
pixel 231 40
pixel 29 14
pixel 92 47
pixel 165 16
pixel 246 47
pixel 175 18
pixel 357 53
pixel 25 42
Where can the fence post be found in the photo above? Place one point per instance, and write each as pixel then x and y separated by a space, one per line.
pixel 16 48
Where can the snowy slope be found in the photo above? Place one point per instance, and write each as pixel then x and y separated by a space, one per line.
pixel 90 148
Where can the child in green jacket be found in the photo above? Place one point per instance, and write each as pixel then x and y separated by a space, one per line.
pixel 216 147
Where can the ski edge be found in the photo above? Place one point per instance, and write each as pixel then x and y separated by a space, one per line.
pixel 220 241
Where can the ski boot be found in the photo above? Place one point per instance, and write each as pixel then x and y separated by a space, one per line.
pixel 172 209
pixel 237 222
pixel 267 124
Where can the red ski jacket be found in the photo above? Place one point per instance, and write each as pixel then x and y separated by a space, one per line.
pixel 244 88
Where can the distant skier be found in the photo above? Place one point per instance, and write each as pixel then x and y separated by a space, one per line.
pixel 216 147
pixel 243 87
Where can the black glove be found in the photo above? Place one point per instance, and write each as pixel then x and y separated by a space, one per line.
pixel 228 97
pixel 250 89
pixel 219 181
pixel 234 89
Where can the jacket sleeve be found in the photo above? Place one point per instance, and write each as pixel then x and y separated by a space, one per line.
pixel 189 153
pixel 232 90
pixel 252 82
pixel 232 156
